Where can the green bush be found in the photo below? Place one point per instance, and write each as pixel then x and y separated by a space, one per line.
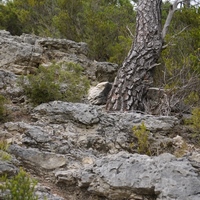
pixel 2 107
pixel 3 148
pixel 195 119
pixel 63 81
pixel 194 123
pixel 142 134
pixel 19 187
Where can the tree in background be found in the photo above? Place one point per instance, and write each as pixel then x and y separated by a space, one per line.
pixel 35 15
pixel 102 24
pixel 9 19
pixel 105 25
pixel 180 73
pixel 69 19
pixel 135 77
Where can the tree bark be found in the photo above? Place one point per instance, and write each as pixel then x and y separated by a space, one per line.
pixel 135 76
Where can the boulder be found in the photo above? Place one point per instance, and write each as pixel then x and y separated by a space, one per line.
pixel 98 95
pixel 88 126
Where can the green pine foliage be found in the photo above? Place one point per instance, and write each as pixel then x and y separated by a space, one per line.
pixel 102 24
pixel 9 19
pixel 19 187
pixel 3 150
pixel 180 72
pixel 2 108
pixel 142 135
pixel 64 81
pixel 195 119
pixel 108 22
pixel 194 123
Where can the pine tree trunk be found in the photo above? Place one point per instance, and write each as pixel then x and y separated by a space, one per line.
pixel 136 74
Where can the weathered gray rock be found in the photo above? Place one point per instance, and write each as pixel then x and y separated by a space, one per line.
pixel 34 157
pixel 88 152
pixel 106 71
pixel 8 85
pixel 59 111
pixel 18 54
pixel 124 175
pixel 84 147
pixel 23 54
pixel 87 114
pixel 98 95
pixel 43 192
pixel 87 126
pixel 7 168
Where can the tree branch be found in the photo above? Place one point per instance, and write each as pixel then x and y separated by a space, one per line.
pixel 169 43
pixel 131 34
pixel 172 9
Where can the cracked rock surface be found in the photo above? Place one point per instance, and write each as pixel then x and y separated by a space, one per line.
pixel 79 151
pixel 81 146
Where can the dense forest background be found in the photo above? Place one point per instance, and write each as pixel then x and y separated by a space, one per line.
pixel 108 28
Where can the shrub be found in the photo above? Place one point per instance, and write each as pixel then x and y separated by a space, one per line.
pixel 63 81
pixel 195 119
pixel 2 107
pixel 142 135
pixel 19 187
pixel 3 148
pixel 194 123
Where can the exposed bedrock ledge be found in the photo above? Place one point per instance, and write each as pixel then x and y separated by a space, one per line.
pixel 82 146
pixel 23 54
pixel 44 160
pixel 118 176
pixel 58 111
pixel 125 176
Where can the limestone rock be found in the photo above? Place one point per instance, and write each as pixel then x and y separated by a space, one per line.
pixel 7 168
pixel 19 53
pixel 88 126
pixel 81 146
pixel 34 157
pixel 106 71
pixel 44 192
pixel 124 175
pixel 59 111
pixel 23 54
pixel 98 95
pixel 8 85
pixel 84 150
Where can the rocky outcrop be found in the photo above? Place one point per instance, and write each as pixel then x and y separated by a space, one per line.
pixel 79 151
pixel 23 54
pixel 81 146
pixel 133 176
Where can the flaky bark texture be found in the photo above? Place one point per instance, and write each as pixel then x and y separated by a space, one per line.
pixel 135 76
